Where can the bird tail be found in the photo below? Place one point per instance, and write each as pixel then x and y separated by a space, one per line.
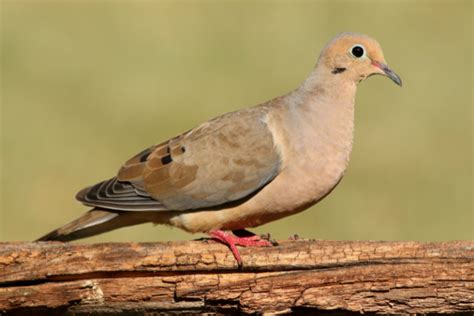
pixel 95 222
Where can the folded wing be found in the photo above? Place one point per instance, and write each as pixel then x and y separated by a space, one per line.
pixel 223 160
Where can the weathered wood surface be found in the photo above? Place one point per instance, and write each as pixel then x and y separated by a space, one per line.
pixel 202 276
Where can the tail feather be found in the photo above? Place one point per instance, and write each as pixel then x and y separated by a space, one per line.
pixel 95 222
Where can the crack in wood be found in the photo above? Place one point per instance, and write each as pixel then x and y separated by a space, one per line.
pixel 369 277
pixel 142 274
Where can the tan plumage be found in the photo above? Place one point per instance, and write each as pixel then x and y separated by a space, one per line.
pixel 194 170
pixel 244 168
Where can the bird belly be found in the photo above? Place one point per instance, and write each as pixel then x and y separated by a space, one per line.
pixel 292 191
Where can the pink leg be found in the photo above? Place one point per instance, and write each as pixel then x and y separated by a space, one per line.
pixel 232 241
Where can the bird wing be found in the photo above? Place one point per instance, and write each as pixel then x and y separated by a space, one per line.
pixel 223 160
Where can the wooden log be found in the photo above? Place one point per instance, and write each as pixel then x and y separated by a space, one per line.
pixel 202 276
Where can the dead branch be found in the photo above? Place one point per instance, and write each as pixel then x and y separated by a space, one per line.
pixel 202 276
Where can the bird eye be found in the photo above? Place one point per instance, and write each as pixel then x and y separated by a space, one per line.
pixel 357 51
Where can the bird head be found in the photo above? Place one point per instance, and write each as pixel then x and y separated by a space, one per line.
pixel 356 57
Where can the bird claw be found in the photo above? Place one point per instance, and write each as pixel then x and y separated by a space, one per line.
pixel 232 241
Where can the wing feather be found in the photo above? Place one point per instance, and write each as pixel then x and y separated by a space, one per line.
pixel 117 195
pixel 220 161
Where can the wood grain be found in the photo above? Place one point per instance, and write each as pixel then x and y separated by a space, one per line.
pixel 202 276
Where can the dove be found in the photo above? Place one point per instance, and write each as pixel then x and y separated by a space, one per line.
pixel 244 168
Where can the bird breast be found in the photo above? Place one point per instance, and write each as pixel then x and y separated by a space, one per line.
pixel 314 139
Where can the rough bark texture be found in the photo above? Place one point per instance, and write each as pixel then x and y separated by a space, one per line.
pixel 202 276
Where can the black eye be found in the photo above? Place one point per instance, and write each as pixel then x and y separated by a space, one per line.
pixel 357 51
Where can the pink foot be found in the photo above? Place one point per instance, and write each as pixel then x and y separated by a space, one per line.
pixel 232 241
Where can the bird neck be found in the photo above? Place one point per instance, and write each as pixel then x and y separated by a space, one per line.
pixel 328 84
pixel 327 99
pixel 321 115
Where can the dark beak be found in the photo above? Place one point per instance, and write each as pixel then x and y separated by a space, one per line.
pixel 388 72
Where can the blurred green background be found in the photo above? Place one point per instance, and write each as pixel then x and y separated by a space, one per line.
pixel 86 85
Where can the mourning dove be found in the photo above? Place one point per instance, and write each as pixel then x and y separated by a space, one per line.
pixel 244 168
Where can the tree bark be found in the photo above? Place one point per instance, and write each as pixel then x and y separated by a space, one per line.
pixel 202 276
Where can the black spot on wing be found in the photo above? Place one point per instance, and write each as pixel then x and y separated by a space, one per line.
pixel 144 155
pixel 166 159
